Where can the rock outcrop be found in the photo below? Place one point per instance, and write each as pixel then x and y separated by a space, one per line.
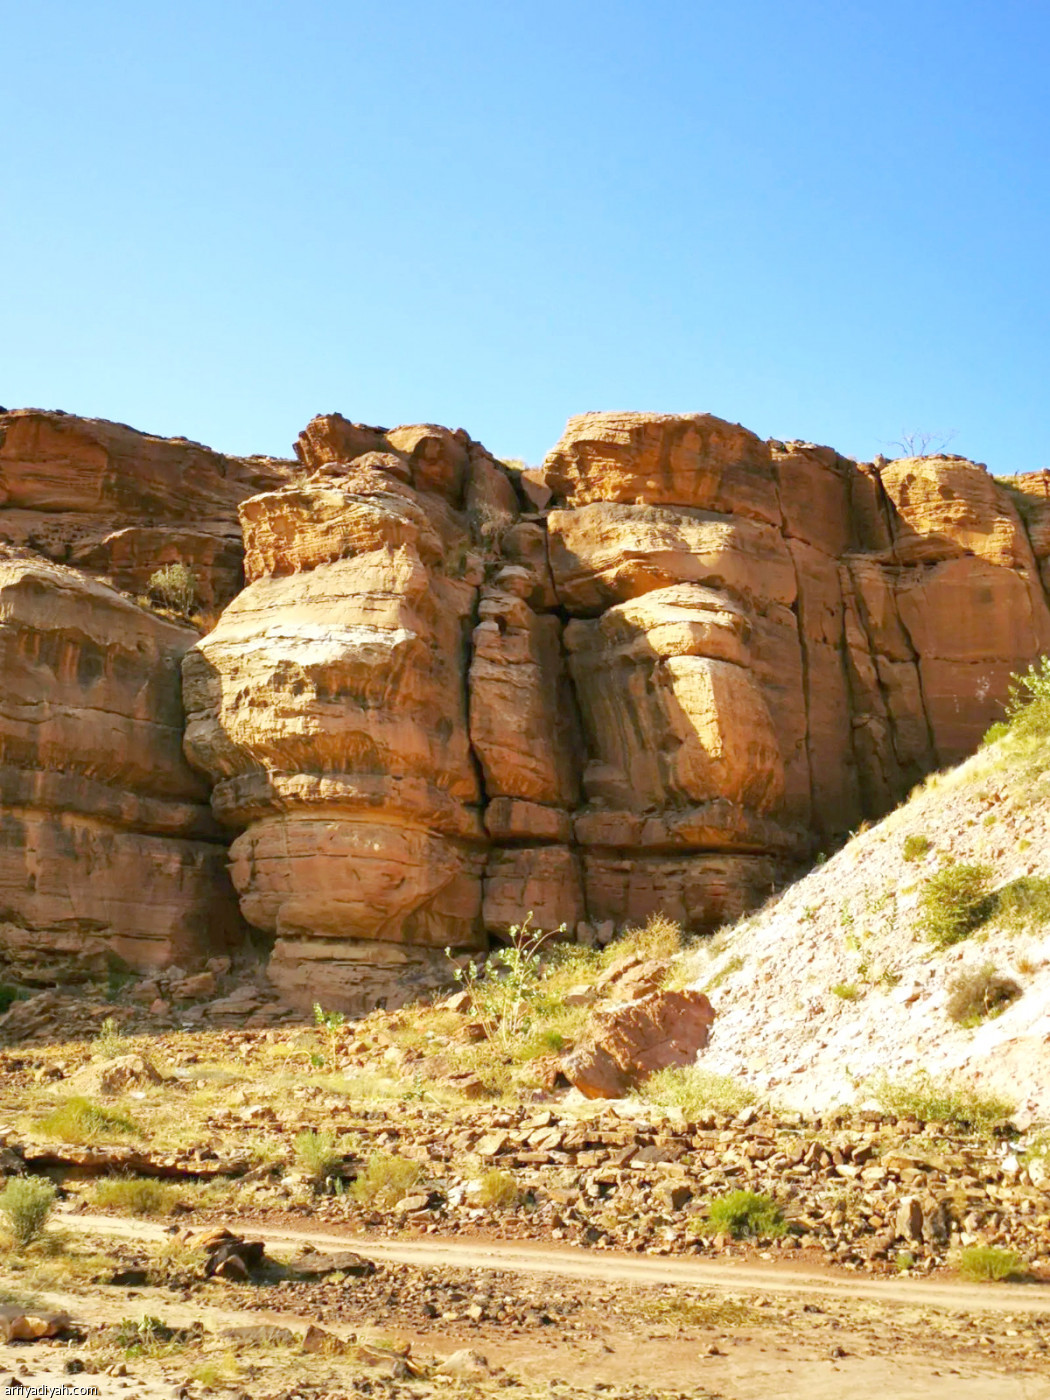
pixel 121 504
pixel 653 675
pixel 107 841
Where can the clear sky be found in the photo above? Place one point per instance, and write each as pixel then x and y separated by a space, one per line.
pixel 828 221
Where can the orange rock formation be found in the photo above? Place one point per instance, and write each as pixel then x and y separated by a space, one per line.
pixel 437 705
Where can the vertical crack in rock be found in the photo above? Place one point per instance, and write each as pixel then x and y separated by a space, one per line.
pixel 648 677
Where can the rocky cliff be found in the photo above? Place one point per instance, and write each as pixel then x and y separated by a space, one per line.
pixel 107 840
pixel 655 674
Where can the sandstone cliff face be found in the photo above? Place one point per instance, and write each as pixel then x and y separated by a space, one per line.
pixel 106 838
pixel 654 674
pixel 120 503
pixel 435 709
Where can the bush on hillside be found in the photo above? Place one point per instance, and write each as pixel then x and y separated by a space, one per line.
pixel 954 902
pixel 940 1101
pixel 1024 903
pixel 916 846
pixel 697 1091
pixel 175 587
pixel 977 993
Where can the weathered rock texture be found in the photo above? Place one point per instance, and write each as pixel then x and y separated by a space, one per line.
pixel 107 841
pixel 122 504
pixel 655 674
pixel 435 709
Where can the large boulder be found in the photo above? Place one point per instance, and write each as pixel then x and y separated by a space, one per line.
pixel 630 1040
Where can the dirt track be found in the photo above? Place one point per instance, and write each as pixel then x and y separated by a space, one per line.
pixel 610 1267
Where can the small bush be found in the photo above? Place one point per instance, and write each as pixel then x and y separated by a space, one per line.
pixel 175 587
pixel 977 993
pixel 933 1101
pixel 954 902
pixel 746 1216
pixel 318 1154
pixel 847 991
pixel 386 1179
pixel 495 1190
pixel 109 1043
pixel 1024 903
pixel 697 1091
pixel 984 1263
pixel 135 1195
pixel 80 1120
pixel 660 937
pixel 916 846
pixel 26 1202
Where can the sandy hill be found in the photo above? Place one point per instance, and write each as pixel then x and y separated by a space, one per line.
pixel 921 947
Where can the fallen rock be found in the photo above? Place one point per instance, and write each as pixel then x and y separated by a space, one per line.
pixel 113 1076
pixel 466 1365
pixel 29 1325
pixel 629 1041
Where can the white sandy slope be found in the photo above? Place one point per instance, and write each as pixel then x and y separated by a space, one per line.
pixel 781 1029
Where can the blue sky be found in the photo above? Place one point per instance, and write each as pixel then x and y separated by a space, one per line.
pixel 826 221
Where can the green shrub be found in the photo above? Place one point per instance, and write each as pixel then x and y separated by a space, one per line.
pixel 495 1189
pixel 175 587
pixel 26 1202
pixel 745 1215
pixel 934 1101
pixel 318 1154
pixel 954 902
pixel 135 1195
pixel 697 1091
pixel 386 1179
pixel 80 1120
pixel 1024 903
pixel 916 846
pixel 977 993
pixel 984 1263
pixel 847 991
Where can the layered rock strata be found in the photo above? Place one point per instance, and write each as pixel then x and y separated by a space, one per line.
pixel 107 841
pixel 121 504
pixel 436 708
pixel 653 675
pixel 330 707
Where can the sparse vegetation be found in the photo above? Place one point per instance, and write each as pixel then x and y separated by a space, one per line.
pixel 319 1154
pixel 916 846
pixel 954 902
pixel 934 1101
pixel 1023 905
pixel 697 1091
pixel 985 1263
pixel 745 1215
pixel 135 1195
pixel 79 1120
pixel 109 1043
pixel 175 587
pixel 495 1189
pixel 977 993
pixel 385 1180
pixel 846 991
pixel 26 1202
